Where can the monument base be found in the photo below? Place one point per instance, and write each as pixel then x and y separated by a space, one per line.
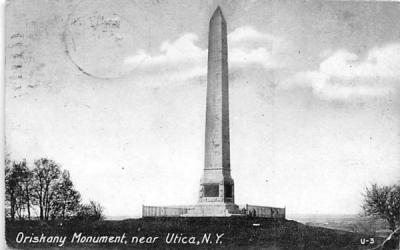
pixel 213 209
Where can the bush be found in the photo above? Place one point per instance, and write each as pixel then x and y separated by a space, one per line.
pixel 90 212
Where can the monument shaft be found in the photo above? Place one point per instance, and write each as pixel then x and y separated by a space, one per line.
pixel 217 112
pixel 216 196
pixel 217 184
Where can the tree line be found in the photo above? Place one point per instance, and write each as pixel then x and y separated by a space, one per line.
pixel 45 192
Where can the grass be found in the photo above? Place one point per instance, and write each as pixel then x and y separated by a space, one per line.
pixel 238 232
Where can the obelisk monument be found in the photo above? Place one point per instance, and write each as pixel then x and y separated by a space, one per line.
pixel 216 196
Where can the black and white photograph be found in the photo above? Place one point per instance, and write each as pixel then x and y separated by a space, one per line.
pixel 202 124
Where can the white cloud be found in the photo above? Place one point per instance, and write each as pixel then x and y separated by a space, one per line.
pixel 179 59
pixel 380 62
pixel 241 56
pixel 249 46
pixel 181 50
pixel 344 75
pixel 248 33
pixel 184 59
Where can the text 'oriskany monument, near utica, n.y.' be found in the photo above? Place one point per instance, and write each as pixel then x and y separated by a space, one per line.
pixel 216 196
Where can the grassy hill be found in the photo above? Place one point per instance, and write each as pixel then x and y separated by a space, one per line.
pixel 198 233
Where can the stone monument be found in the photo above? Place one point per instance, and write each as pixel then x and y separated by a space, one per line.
pixel 216 196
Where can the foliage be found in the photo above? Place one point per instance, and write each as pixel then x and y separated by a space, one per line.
pixel 46 173
pixel 66 199
pixel 383 202
pixel 18 180
pixel 91 211
pixel 45 189
pixel 11 188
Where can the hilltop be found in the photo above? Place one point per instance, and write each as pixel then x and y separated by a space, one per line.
pixel 228 233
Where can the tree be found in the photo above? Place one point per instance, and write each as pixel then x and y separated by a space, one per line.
pixel 91 211
pixel 18 180
pixel 383 202
pixel 11 187
pixel 25 184
pixel 97 210
pixel 44 188
pixel 67 199
pixel 46 173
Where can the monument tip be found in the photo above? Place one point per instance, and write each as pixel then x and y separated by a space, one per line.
pixel 218 11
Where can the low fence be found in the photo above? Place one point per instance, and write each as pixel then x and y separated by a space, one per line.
pixel 261 211
pixel 177 211
pixel 156 211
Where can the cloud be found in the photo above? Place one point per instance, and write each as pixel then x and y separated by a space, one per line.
pixel 181 58
pixel 249 46
pixel 261 56
pixel 380 62
pixel 181 50
pixel 184 59
pixel 248 33
pixel 345 75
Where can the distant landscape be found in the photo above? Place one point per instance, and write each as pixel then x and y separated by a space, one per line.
pixel 346 222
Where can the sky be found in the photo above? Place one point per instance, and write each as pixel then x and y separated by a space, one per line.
pixel 114 91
